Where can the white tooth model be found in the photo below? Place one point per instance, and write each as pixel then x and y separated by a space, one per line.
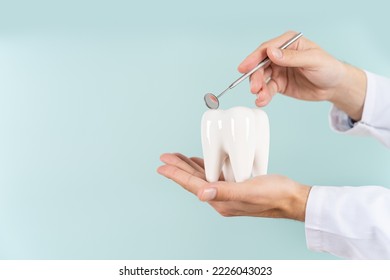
pixel 235 141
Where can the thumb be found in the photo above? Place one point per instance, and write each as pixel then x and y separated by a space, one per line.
pixel 292 58
pixel 221 191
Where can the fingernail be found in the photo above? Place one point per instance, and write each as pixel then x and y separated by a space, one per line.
pixel 277 53
pixel 208 194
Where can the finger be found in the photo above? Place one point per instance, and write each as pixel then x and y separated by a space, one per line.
pixel 264 96
pixel 256 79
pixel 190 162
pixel 253 59
pixel 222 191
pixel 295 58
pixel 188 181
pixel 174 160
pixel 260 78
pixel 272 88
pixel 261 52
pixel 263 100
pixel 198 161
pixel 267 73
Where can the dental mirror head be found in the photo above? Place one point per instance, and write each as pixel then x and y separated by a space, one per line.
pixel 211 101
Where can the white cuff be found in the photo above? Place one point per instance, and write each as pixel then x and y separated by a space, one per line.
pixel 314 240
pixel 375 118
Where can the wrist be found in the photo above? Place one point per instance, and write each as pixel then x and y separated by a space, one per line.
pixel 296 209
pixel 349 96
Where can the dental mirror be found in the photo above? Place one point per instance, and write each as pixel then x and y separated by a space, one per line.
pixel 212 101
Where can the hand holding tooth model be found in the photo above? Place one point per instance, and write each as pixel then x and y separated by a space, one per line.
pixel 350 222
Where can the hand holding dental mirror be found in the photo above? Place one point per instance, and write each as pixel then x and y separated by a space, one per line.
pixel 212 101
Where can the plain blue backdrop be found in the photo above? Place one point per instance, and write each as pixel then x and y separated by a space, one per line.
pixel 92 92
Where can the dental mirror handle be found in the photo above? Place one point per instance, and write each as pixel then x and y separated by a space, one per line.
pixel 261 64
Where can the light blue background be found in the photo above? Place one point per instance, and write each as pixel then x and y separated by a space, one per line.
pixel 92 92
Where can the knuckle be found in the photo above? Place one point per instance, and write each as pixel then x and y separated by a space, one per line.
pixel 290 32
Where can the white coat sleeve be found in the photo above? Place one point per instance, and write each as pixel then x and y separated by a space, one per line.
pixel 354 222
pixel 349 222
pixel 376 112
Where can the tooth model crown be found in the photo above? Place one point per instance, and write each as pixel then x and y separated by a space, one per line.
pixel 235 141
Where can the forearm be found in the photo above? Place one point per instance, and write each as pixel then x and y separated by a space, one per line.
pixel 350 95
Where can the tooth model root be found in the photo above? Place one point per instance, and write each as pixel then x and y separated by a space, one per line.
pixel 235 141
